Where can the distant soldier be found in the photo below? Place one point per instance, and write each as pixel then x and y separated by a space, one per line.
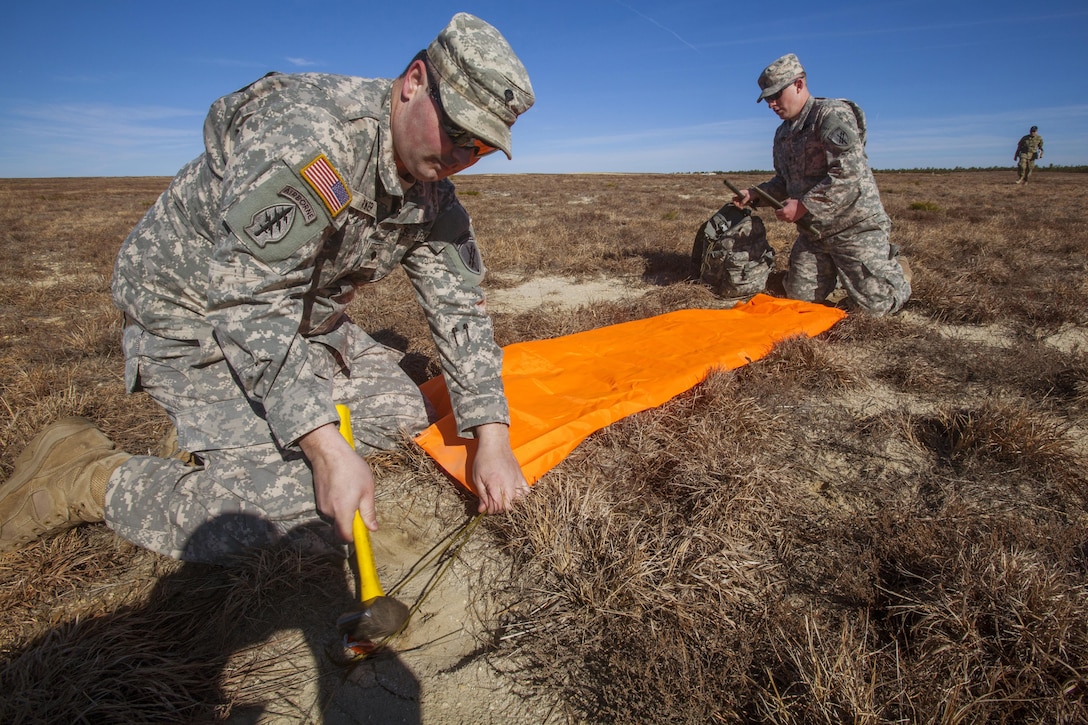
pixel 235 287
pixel 823 180
pixel 1029 149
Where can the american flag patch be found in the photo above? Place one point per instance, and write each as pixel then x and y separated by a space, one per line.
pixel 328 184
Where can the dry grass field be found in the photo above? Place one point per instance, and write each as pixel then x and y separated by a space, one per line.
pixel 884 524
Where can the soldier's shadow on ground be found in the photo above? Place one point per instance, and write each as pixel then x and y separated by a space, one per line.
pixel 242 643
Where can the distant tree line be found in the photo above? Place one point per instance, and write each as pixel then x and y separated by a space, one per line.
pixel 1038 167
pixel 928 169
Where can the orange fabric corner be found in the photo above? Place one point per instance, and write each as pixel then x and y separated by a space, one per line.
pixel 563 389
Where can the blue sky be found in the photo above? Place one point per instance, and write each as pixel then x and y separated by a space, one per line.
pixel 120 88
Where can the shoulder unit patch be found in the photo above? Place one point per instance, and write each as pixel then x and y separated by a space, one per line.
pixel 470 255
pixel 278 216
pixel 271 224
pixel 841 137
pixel 328 184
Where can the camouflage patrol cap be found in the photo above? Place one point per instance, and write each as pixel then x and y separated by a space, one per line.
pixel 484 86
pixel 1034 128
pixel 779 74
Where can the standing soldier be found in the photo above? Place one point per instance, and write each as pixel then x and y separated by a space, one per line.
pixel 1029 149
pixel 823 179
pixel 234 288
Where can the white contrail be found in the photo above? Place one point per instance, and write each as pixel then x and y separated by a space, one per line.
pixel 667 30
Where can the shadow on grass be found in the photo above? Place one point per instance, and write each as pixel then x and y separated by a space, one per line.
pixel 262 625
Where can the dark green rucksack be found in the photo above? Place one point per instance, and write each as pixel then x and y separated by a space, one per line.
pixel 731 253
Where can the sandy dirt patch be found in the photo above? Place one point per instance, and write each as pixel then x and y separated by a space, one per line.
pixel 563 292
pixel 437 671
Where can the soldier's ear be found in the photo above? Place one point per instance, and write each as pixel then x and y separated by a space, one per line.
pixel 415 79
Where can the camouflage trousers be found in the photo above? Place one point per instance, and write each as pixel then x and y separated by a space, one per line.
pixel 859 258
pixel 1025 166
pixel 247 491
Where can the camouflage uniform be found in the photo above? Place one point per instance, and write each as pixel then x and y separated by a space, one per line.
pixel 1028 149
pixel 234 287
pixel 819 159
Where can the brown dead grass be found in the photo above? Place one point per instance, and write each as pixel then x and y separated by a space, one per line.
pixel 885 524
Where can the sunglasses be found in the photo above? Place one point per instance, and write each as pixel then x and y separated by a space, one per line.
pixel 459 136
pixel 776 96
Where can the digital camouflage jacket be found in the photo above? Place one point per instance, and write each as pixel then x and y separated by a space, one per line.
pixel 820 160
pixel 1029 147
pixel 257 246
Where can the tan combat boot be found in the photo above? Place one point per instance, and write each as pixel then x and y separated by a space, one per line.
pixel 908 273
pixel 59 482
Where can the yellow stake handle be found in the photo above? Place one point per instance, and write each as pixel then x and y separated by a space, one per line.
pixel 370 587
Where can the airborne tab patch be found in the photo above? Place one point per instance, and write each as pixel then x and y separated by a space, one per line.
pixel 304 205
pixel 328 184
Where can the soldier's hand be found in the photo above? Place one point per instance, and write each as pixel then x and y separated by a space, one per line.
pixel 343 481
pixel 791 210
pixel 496 473
pixel 743 199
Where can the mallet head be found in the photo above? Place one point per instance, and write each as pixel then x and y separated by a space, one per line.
pixel 376 618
